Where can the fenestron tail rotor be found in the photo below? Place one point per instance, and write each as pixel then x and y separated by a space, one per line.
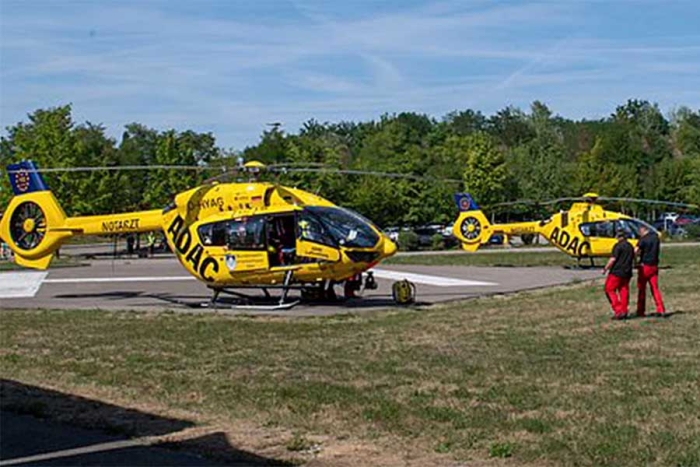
pixel 28 225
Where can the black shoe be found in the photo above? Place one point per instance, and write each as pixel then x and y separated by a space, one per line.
pixel 619 317
pixel 660 315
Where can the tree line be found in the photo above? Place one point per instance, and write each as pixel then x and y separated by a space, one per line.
pixel 635 152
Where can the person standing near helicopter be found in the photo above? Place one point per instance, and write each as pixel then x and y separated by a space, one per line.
pixel 648 250
pixel 618 281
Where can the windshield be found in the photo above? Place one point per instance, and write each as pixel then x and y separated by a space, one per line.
pixel 347 228
pixel 631 227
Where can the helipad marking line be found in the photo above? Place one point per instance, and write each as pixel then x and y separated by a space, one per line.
pixel 428 280
pixel 87 280
pixel 379 273
pixel 20 284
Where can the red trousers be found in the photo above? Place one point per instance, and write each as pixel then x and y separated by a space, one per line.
pixel 648 275
pixel 613 285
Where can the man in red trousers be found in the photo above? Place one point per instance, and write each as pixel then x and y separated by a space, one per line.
pixel 648 250
pixel 620 267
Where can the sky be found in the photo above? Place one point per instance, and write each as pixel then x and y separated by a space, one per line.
pixel 230 67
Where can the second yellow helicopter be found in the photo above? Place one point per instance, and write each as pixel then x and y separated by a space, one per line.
pixel 586 230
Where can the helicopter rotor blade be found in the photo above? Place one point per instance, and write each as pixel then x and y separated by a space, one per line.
pixel 650 201
pixel 287 167
pixel 112 168
pixel 329 170
pixel 596 200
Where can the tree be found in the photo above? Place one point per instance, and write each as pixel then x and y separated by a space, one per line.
pixel 510 127
pixel 482 165
pixel 686 132
pixel 48 139
pixel 465 123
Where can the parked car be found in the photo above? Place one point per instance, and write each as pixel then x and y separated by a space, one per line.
pixel 425 235
pixel 496 239
pixel 665 222
pixel 392 233
pixel 684 219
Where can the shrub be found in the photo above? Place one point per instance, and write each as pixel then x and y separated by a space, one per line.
pixel 437 242
pixel 693 231
pixel 408 241
pixel 502 450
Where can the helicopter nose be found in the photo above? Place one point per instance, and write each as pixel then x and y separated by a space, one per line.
pixel 389 247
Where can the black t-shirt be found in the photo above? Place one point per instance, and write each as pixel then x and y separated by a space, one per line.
pixel 649 247
pixel 624 259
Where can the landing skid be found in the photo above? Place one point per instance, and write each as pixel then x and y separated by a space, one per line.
pixel 578 265
pixel 248 302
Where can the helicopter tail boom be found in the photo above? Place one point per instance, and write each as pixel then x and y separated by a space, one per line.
pixel 473 229
pixel 35 226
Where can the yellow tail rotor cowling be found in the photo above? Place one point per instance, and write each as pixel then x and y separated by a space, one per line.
pixel 472 229
pixel 32 228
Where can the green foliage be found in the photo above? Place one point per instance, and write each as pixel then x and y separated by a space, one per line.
pixel 635 152
pixel 437 242
pixel 485 169
pixel 501 450
pixel 408 241
pixel 52 139
pixel 693 231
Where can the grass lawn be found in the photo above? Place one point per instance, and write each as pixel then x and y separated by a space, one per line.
pixel 537 378
pixel 519 257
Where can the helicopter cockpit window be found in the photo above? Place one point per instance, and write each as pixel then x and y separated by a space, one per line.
pixel 312 230
pixel 213 234
pixel 631 227
pixel 605 229
pixel 345 227
pixel 246 234
pixel 241 234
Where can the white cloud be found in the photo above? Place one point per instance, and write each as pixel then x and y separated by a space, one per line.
pixel 152 63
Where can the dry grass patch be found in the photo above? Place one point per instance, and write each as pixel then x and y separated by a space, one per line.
pixel 535 378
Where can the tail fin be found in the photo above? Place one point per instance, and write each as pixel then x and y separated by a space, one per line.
pixel 33 221
pixel 25 178
pixel 471 228
pixel 465 202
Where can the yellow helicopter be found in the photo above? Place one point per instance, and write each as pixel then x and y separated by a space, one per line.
pixel 585 230
pixel 228 235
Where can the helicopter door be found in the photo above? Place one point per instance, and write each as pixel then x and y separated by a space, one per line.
pixel 281 240
pixel 313 240
pixel 600 235
pixel 238 244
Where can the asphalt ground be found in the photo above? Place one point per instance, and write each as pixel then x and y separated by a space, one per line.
pixel 156 284
pixel 31 441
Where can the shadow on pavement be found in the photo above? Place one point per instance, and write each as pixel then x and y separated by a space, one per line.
pixel 44 427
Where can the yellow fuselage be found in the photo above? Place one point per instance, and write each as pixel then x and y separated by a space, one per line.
pixel 577 232
pixel 217 264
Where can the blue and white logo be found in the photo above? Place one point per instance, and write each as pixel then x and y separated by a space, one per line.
pixel 231 262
